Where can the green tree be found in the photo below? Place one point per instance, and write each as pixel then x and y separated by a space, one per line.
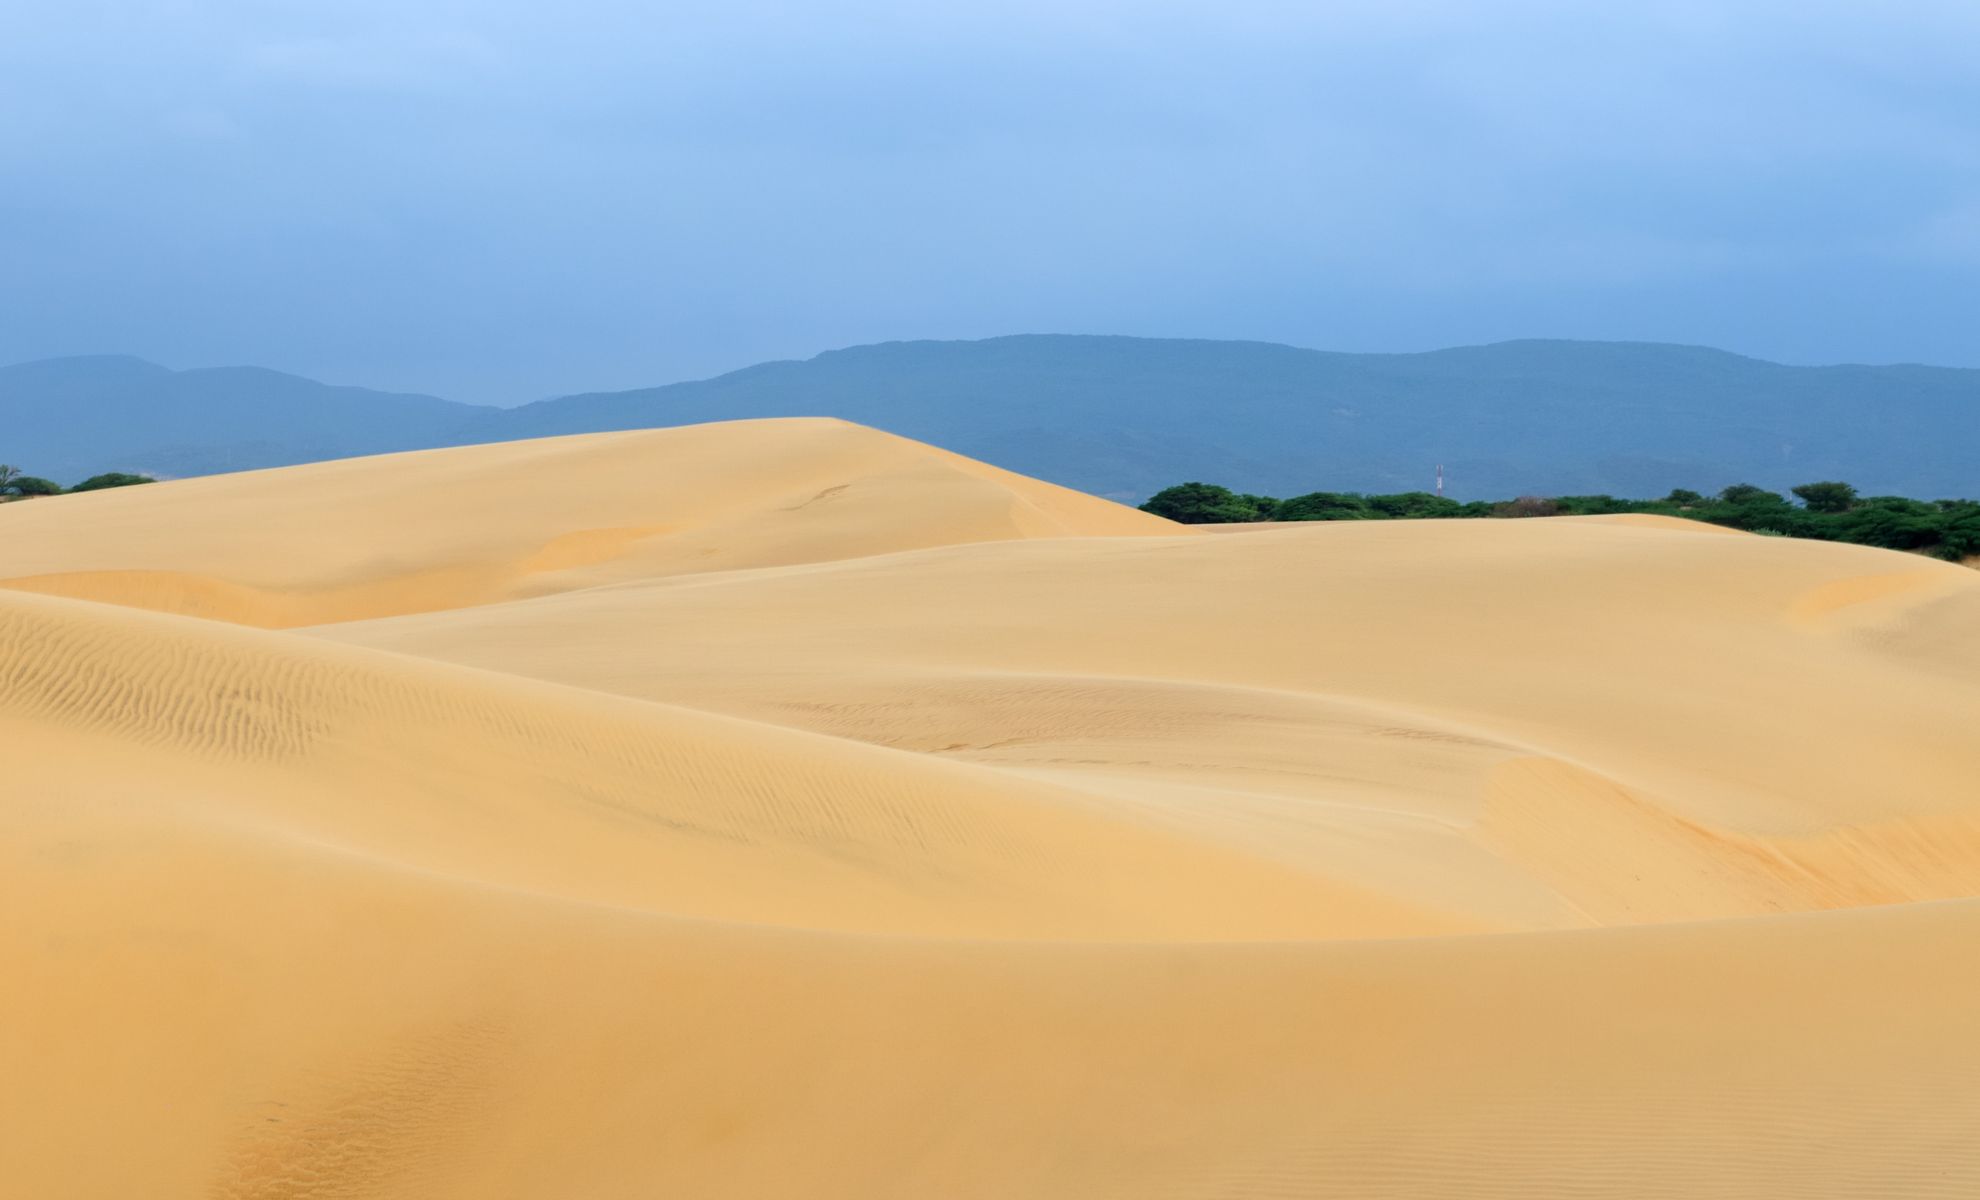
pixel 1415 505
pixel 8 475
pixel 1582 506
pixel 111 479
pixel 1196 503
pixel 1903 525
pixel 1323 506
pixel 1746 493
pixel 1527 506
pixel 1960 539
pixel 1827 497
pixel 30 485
pixel 1830 511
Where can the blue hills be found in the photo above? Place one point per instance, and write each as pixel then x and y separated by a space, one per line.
pixel 1119 416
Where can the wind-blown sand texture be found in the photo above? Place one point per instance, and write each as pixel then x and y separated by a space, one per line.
pixel 785 809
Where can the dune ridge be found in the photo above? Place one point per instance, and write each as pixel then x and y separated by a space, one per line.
pixel 788 809
pixel 1493 740
pixel 442 529
pixel 596 798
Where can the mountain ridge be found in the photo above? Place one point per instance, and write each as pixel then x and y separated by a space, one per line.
pixel 1120 416
pixel 66 418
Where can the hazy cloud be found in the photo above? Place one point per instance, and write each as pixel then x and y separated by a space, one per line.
pixel 499 199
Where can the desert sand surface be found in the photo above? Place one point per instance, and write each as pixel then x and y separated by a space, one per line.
pixel 786 809
pixel 368 537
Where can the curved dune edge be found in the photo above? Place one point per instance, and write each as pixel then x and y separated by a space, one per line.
pixel 587 797
pixel 783 809
pixel 433 530
pixel 1671 738
pixel 1656 521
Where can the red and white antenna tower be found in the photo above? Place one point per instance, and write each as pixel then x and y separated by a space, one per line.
pixel 1440 480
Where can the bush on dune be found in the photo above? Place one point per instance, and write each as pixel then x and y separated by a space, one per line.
pixel 14 485
pixel 1829 497
pixel 1830 510
pixel 111 479
pixel 1415 506
pixel 1527 506
pixel 1207 504
pixel 1325 506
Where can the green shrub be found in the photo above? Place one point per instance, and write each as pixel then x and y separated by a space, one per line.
pixel 1208 504
pixel 1827 497
pixel 1527 506
pixel 1830 511
pixel 1324 506
pixel 1746 493
pixel 111 479
pixel 1415 505
pixel 1594 505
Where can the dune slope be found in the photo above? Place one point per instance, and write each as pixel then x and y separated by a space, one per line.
pixel 1548 722
pixel 783 809
pixel 439 529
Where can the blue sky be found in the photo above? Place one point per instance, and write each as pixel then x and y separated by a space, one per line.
pixel 497 200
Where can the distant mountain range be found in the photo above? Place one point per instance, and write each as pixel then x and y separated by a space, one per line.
pixel 1120 416
pixel 66 418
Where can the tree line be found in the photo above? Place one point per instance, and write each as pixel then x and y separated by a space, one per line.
pixel 14 485
pixel 1828 511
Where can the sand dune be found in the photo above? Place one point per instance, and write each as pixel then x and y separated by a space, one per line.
pixel 786 809
pixel 1550 722
pixel 439 529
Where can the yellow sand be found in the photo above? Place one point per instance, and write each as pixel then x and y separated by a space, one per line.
pixel 784 809
pixel 367 537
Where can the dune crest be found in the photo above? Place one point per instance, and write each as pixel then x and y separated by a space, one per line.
pixel 785 809
pixel 442 529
